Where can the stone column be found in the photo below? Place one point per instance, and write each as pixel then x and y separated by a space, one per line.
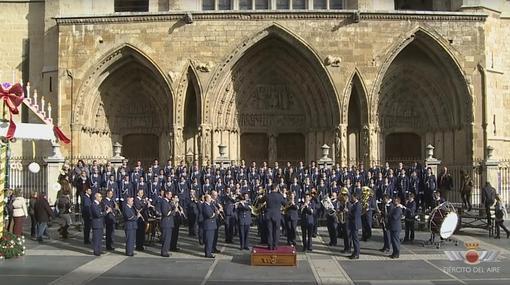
pixel 272 148
pixel 431 161
pixel 54 164
pixel 205 144
pixel 178 144
pixel 341 144
pixel 490 169
pixel 373 145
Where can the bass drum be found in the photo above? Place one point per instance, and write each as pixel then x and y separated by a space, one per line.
pixel 444 220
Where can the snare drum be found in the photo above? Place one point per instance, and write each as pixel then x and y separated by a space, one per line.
pixel 444 220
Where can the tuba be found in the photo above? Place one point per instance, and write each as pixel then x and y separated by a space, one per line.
pixel 366 195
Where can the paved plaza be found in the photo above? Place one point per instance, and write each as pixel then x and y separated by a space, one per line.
pixel 70 262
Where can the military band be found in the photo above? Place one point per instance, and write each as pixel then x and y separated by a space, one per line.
pixel 157 201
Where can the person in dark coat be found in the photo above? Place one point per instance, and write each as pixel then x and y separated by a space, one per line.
pixel 395 227
pixel 43 214
pixel 274 202
pixel 445 184
pixel 354 224
pixel 244 219
pixel 488 200
pixel 86 214
pixel 98 215
pixel 130 225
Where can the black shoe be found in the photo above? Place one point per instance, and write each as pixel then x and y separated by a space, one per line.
pixel 210 256
pixel 129 254
pixel 354 257
pixel 309 249
pixel 394 256
pixel 200 243
pixel 304 249
pixel 507 234
pixel 110 249
pixel 247 248
pixel 86 242
pixel 216 251
pixel 314 235
pixel 140 248
pixel 175 249
pixel 165 255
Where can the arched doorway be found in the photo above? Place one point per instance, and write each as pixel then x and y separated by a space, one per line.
pixel 357 117
pixel 191 116
pixel 277 87
pixel 403 147
pixel 128 102
pixel 424 93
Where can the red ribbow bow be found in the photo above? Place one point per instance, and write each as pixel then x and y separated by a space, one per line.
pixel 12 96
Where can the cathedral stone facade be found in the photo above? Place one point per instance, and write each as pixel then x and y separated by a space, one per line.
pixel 269 80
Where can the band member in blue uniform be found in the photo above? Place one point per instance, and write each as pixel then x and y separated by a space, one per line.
pixel 109 219
pixel 140 205
pixel 384 211
pixel 429 189
pixel 86 214
pixel 332 220
pixel 126 189
pixel 244 217
pixel 179 217
pixel 409 214
pixel 192 213
pixel 97 223
pixel 219 219
pixel 228 206
pixel 354 224
pixel 209 213
pixel 167 210
pixel 130 225
pixel 291 218
pixel 395 227
pixel 307 222
pixel 274 202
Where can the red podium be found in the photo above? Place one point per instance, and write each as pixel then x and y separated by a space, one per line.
pixel 282 256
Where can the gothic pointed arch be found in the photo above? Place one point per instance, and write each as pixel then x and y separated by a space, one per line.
pixel 130 99
pixel 355 116
pixel 273 85
pixel 421 92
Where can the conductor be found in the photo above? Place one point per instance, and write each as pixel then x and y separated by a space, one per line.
pixel 273 215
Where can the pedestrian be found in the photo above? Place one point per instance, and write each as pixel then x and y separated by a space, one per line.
pixel 43 214
pixel 19 212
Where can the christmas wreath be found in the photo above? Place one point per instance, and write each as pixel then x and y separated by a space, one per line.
pixel 11 245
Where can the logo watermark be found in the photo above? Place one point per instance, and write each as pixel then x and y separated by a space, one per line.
pixel 474 260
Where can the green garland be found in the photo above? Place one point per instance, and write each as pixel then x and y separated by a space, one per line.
pixel 11 245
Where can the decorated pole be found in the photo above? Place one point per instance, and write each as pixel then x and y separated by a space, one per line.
pixel 3 166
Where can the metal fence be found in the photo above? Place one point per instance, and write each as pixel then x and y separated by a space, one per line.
pixel 504 181
pixel 21 178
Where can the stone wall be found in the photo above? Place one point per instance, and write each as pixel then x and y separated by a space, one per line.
pixel 366 47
